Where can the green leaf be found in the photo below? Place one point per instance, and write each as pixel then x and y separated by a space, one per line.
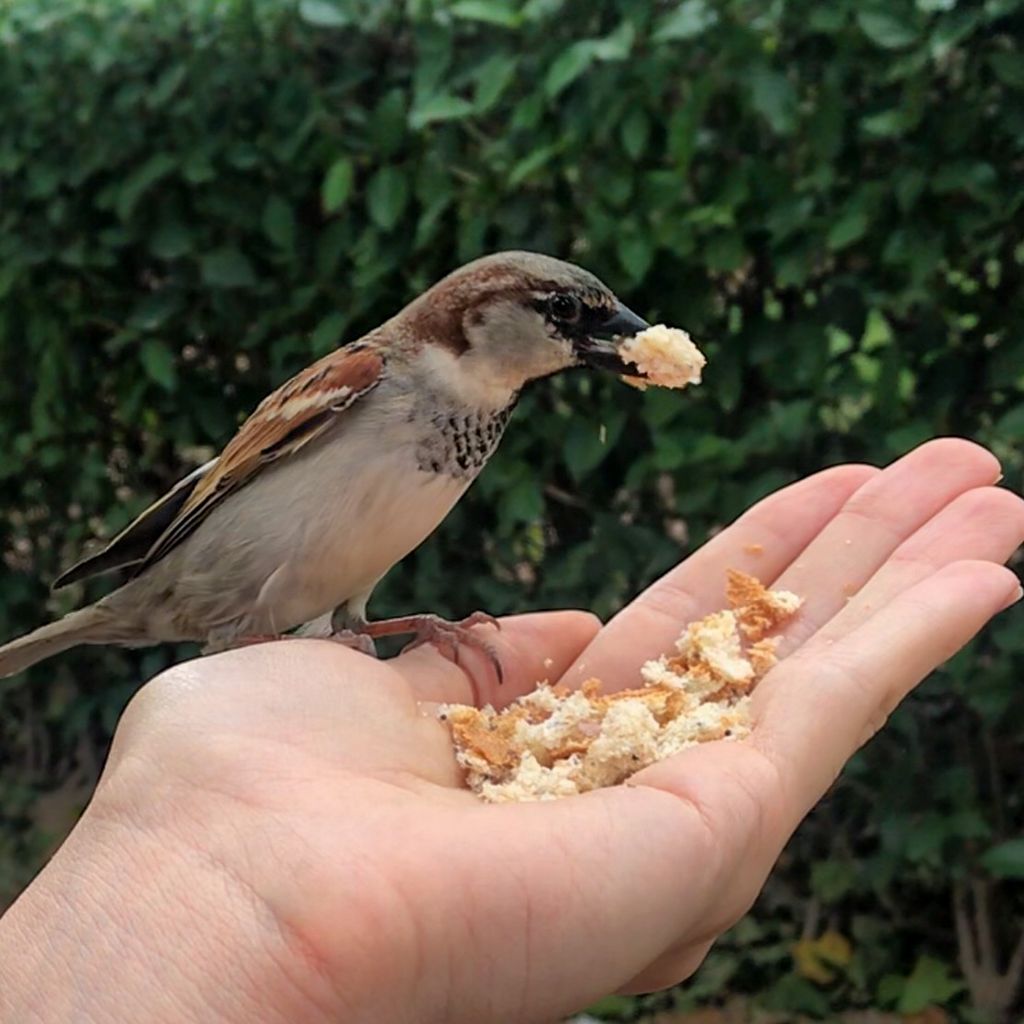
pixel 1005 860
pixel 159 363
pixel 887 29
pixel 887 123
pixel 227 267
pixel 532 163
pixel 971 176
pixel 850 228
pixel 569 66
pixel 1011 424
pixel 325 13
pixel 492 12
pixel 171 240
pixel 833 879
pixel 774 98
pixel 689 19
pixel 439 108
pixel 387 194
pixel 166 85
pixel 1009 68
pixel 156 309
pixel 617 45
pixel 828 18
pixel 137 184
pixel 493 77
pixel 929 984
pixel 909 186
pixel 328 333
pixel 636 130
pixel 278 222
pixel 390 124
pixel 724 252
pixel 587 443
pixel 523 502
pixel 636 254
pixel 337 184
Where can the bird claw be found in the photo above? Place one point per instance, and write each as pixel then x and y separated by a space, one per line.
pixel 447 636
pixel 360 642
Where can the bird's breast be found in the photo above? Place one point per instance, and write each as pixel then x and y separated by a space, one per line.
pixel 457 443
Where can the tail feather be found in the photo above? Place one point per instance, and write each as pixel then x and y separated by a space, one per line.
pixel 91 625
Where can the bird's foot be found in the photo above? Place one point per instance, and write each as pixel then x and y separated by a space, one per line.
pixel 361 642
pixel 447 636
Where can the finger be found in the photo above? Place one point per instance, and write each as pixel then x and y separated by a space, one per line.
pixel 690 840
pixel 812 713
pixel 986 524
pixel 531 648
pixel 816 708
pixel 875 522
pixel 763 542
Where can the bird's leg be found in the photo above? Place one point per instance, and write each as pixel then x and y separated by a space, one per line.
pixel 331 627
pixel 447 636
pixel 346 629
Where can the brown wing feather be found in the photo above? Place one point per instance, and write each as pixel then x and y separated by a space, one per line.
pixel 133 543
pixel 284 422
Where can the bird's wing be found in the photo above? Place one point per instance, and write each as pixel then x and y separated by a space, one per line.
pixel 283 423
pixel 132 544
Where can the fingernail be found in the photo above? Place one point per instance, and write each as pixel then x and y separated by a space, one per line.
pixel 1014 597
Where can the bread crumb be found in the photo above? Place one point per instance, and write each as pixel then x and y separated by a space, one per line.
pixel 554 742
pixel 754 549
pixel 759 610
pixel 665 356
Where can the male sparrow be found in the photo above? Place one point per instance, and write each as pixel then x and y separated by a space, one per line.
pixel 345 469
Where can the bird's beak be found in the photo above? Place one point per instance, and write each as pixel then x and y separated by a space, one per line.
pixel 600 349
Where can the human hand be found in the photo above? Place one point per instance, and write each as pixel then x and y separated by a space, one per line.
pixel 281 834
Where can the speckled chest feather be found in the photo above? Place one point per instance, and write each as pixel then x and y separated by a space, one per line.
pixel 458 444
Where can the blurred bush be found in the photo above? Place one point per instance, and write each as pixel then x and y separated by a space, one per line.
pixel 198 198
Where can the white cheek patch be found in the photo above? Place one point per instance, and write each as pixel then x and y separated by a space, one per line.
pixel 513 342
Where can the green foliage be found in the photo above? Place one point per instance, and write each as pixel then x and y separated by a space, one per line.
pixel 198 198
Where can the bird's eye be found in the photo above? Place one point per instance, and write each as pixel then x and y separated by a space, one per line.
pixel 564 307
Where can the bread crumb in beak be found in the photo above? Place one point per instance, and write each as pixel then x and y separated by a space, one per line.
pixel 665 356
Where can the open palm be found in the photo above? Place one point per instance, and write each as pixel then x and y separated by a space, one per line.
pixel 311 790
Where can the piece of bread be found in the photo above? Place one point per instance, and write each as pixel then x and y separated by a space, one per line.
pixel 665 356
pixel 554 742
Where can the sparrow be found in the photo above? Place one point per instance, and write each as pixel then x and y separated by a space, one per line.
pixel 344 470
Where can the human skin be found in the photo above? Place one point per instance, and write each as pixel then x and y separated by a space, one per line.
pixel 280 833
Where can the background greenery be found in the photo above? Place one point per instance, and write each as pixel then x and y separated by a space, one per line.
pixel 197 198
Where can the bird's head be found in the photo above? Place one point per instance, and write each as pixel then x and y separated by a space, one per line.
pixel 513 317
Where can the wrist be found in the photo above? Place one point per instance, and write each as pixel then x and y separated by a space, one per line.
pixel 128 922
